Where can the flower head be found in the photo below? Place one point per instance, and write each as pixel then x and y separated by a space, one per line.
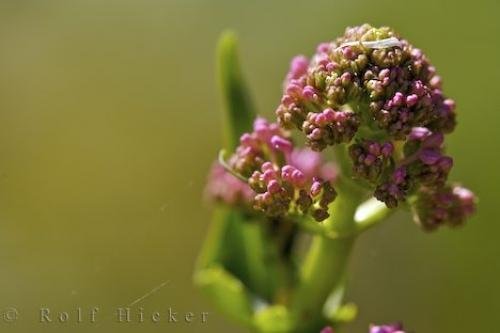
pixel 378 94
pixel 284 179
pixel 393 81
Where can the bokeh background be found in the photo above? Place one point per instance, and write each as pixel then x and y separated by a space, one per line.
pixel 109 120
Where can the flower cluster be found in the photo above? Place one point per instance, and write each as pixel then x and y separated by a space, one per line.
pixel 376 93
pixel 370 159
pixel 389 86
pixel 329 127
pixel 282 179
pixel 371 91
pixel 281 190
pixel 423 165
pixel 391 328
pixel 450 205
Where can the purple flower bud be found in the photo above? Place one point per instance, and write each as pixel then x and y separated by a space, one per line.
pixel 273 187
pixel 286 171
pixel 282 144
pixel 417 88
pixel 411 100
pixel 374 148
pixel 309 93
pixel 267 166
pixel 323 48
pixel 330 115
pixel 429 156
pixel 434 141
pixel 327 329
pixel 399 175
pixel 294 89
pixel 449 104
pixel 436 82
pixel 268 175
pixel 348 53
pixel 246 139
pixel 384 73
pixel 298 178
pixel 316 188
pixel 387 149
pixel 331 66
pixel 392 328
pixel 419 133
pixel 315 134
pixel 445 163
pixel 298 67
pixel 370 159
pixel 398 99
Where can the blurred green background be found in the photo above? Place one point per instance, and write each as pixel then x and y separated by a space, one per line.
pixel 109 120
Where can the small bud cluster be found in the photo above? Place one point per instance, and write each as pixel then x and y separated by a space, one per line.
pixel 370 159
pixel 450 205
pixel 284 189
pixel 329 127
pixel 266 138
pixel 284 180
pixel 423 165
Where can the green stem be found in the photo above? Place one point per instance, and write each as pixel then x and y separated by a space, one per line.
pixel 370 213
pixel 321 274
pixel 256 256
pixel 325 264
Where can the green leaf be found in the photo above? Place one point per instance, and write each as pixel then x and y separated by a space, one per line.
pixel 224 244
pixel 227 292
pixel 273 319
pixel 345 313
pixel 335 310
pixel 239 245
pixel 212 247
pixel 239 110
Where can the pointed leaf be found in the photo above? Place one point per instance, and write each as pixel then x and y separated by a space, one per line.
pixel 227 292
pixel 239 111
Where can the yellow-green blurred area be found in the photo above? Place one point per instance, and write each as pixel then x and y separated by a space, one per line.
pixel 110 118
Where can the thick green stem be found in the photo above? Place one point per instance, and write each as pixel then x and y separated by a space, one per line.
pixel 325 264
pixel 322 273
